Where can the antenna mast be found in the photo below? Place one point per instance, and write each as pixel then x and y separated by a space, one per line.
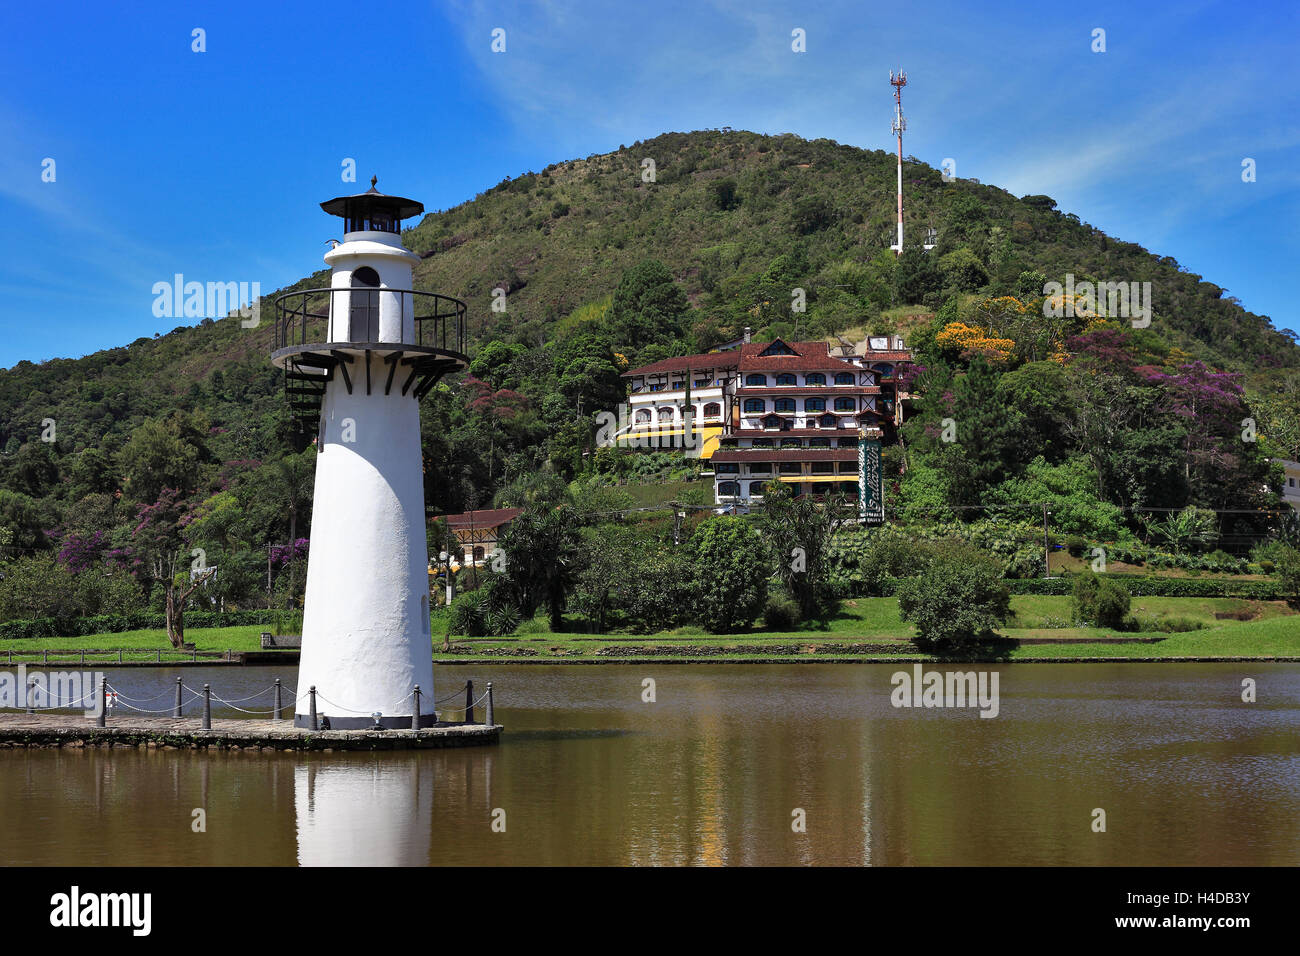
pixel 898 81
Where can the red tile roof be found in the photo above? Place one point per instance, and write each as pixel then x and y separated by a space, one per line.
pixel 681 363
pixel 482 519
pixel 812 356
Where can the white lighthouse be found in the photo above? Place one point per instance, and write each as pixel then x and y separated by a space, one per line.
pixel 358 357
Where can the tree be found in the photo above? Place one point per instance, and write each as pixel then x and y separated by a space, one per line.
pixel 730 570
pixel 165 454
pixel 799 532
pixel 542 557
pixel 161 541
pixel 648 307
pixel 989 435
pixel 958 600
pixel 1099 602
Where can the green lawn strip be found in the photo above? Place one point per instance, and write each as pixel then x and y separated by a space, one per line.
pixel 245 638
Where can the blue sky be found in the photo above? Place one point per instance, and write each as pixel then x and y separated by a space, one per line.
pixel 212 164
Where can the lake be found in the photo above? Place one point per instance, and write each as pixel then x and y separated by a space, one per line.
pixel 714 771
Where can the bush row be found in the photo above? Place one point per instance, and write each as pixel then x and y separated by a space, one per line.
pixel 1142 586
pixel 141 620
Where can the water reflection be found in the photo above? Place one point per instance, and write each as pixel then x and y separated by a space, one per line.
pixel 713 773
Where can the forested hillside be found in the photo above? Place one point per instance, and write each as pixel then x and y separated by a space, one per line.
pixel 181 440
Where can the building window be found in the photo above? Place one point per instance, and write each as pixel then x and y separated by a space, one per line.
pixel 727 468
pixel 844 404
pixel 643 416
pixel 886 370
pixel 848 443
pixel 827 421
pixel 848 468
pixel 791 443
pixel 755 405
pixel 760 467
pixel 814 378
pixel 756 489
pixel 819 443
pixel 823 467
pixel 665 414
pixel 849 487
pixel 844 378
pixel 728 489
pixel 761 443
pixel 701 383
pixel 786 378
pixel 777 348
pixel 814 404
pixel 478 554
pixel 783 405
pixel 712 410
pixel 755 379
pixel 774 421
pixel 790 468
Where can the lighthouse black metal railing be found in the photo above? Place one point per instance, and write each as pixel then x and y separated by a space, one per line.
pixel 302 317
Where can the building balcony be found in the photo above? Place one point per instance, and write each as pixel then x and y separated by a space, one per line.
pixel 368 319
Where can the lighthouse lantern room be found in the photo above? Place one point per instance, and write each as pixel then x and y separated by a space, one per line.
pixel 358 357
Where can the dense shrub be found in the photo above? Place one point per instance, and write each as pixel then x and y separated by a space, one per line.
pixel 1287 561
pixel 958 600
pixel 731 570
pixel 138 621
pixel 1100 602
pixel 1076 545
pixel 781 613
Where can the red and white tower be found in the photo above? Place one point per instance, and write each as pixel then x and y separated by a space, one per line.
pixel 898 81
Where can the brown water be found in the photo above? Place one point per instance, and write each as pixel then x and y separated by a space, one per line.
pixel 588 773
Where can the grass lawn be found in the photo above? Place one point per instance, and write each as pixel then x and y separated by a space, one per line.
pixel 863 627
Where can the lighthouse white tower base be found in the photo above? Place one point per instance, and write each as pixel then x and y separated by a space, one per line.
pixel 366 643
pixel 358 357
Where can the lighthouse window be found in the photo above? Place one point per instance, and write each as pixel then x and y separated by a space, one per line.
pixel 365 306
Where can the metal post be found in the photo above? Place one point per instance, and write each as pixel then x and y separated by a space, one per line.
pixel 415 715
pixel 177 711
pixel 207 707
pixel 30 684
pixel 491 716
pixel 83 657
pixel 119 655
pixel 195 658
pixel 469 702
pixel 103 701
pixel 45 655
pixel 160 656
pixel 278 705
pixel 313 708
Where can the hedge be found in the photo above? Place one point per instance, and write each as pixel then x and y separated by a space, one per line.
pixel 139 621
pixel 1145 586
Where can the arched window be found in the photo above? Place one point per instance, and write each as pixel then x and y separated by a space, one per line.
pixel 844 378
pixel 774 421
pixel 783 405
pixel 728 489
pixel 756 489
pixel 666 414
pixel 814 378
pixel 755 405
pixel 756 379
pixel 814 404
pixel 364 319
pixel 712 410
pixel 643 416
pixel 845 404
pixel 785 378
pixel 886 370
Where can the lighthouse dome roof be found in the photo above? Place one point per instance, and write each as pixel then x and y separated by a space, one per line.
pixel 372 201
